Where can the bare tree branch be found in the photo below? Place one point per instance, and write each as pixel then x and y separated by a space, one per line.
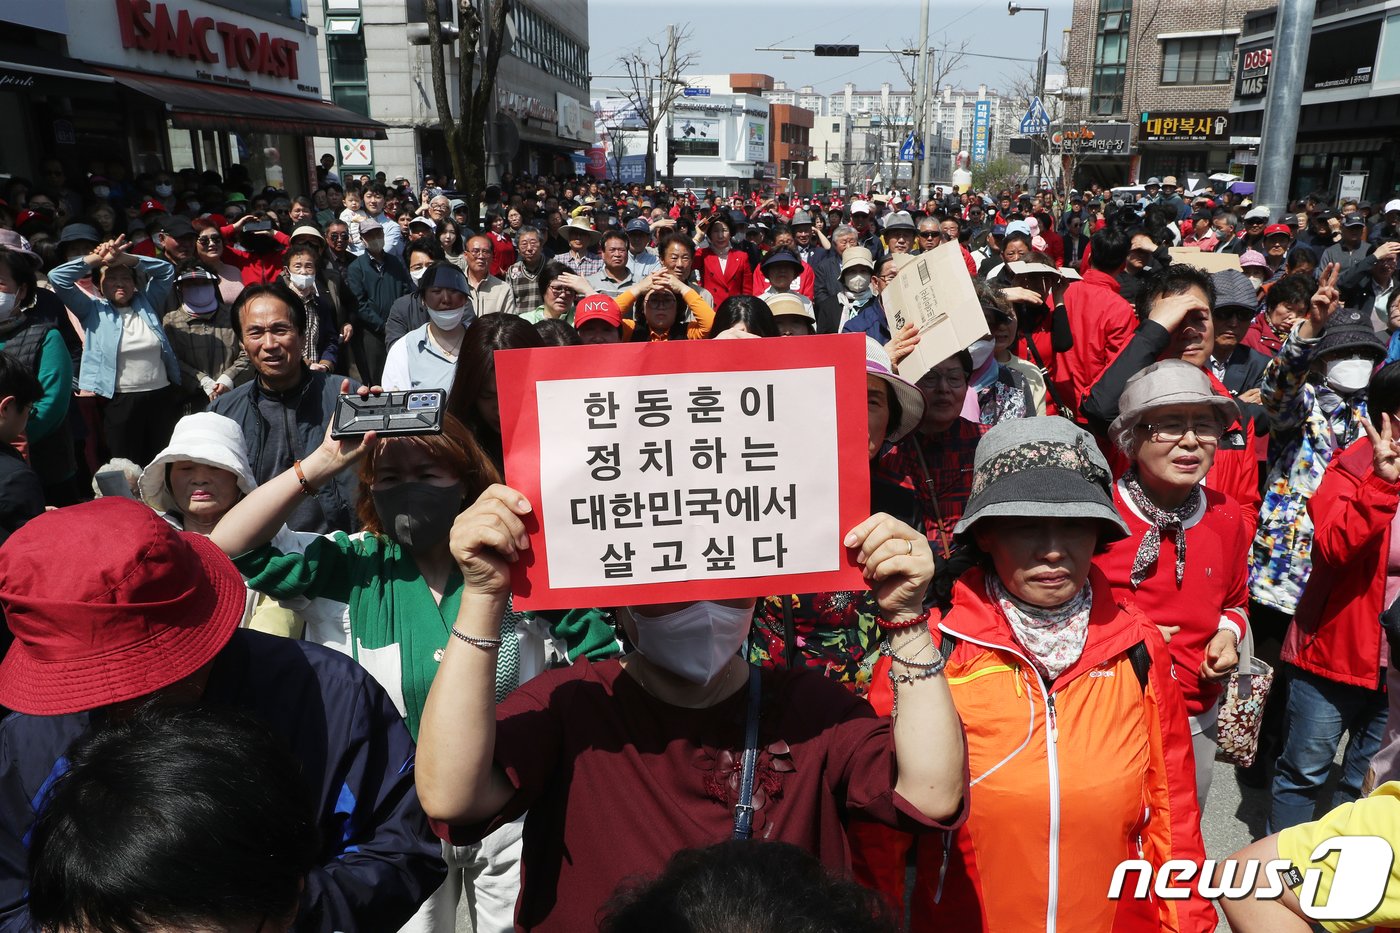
pixel 653 72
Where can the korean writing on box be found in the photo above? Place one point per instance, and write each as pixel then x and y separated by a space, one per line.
pixel 688 476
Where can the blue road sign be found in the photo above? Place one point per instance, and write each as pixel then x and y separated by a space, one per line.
pixel 1036 121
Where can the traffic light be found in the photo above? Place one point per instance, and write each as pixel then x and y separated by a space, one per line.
pixel 836 51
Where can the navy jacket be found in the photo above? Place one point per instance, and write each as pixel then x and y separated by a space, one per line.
pixel 379 860
pixel 273 447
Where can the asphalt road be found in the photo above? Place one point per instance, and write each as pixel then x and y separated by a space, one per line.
pixel 1233 817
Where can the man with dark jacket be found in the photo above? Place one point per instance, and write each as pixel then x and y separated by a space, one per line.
pixel 112 610
pixel 1370 284
pixel 284 412
pixel 377 279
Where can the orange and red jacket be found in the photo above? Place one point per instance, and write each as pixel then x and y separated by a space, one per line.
pixel 1336 632
pixel 1067 781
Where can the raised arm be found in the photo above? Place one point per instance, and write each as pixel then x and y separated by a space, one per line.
pixel 929 751
pixel 459 781
pixel 253 521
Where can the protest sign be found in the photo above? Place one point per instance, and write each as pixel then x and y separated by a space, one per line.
pixel 691 469
pixel 935 292
pixel 1208 262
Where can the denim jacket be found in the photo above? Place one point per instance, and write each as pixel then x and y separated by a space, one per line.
pixel 102 321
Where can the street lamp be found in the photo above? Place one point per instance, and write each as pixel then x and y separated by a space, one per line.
pixel 1012 8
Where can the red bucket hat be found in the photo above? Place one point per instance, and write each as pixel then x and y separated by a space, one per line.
pixel 108 603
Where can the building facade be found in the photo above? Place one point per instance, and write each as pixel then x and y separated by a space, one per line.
pixel 1168 70
pixel 790 144
pixel 1349 126
pixel 377 62
pixel 232 88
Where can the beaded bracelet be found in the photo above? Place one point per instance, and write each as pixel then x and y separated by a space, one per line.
pixel 920 619
pixel 936 665
pixel 485 644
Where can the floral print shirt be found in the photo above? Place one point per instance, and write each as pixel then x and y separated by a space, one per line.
pixel 1307 424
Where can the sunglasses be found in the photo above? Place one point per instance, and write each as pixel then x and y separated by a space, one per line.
pixel 209 240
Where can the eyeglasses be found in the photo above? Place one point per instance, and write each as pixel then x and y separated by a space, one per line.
pixel 559 289
pixel 1174 429
pixel 930 233
pixel 337 237
pixel 209 240
pixel 957 380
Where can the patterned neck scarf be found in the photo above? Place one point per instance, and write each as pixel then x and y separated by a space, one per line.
pixel 1054 637
pixel 313 333
pixel 1162 520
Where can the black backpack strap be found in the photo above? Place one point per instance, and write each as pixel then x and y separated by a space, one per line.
pixel 1141 660
pixel 1045 372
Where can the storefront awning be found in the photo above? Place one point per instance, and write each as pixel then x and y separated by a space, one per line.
pixel 196 106
pixel 1341 147
pixel 28 68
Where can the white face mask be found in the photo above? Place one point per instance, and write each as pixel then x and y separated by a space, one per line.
pixel 1348 376
pixel 9 306
pixel 164 190
pixel 1256 279
pixel 193 206
pixel 981 351
pixel 416 274
pixel 101 191
pixel 857 282
pixel 695 643
pixel 737 238
pixel 299 281
pixel 447 320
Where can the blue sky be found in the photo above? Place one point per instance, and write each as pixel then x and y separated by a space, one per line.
pixel 726 32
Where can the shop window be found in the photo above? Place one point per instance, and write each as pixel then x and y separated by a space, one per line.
pixel 1199 60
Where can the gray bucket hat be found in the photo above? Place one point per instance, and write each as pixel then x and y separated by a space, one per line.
pixel 1041 467
pixel 1168 382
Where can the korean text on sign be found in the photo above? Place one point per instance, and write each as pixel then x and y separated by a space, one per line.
pixel 695 482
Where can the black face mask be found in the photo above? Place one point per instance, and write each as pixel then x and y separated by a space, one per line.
pixel 418 515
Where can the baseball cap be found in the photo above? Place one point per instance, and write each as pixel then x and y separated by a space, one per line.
pixel 150 207
pixel 177 227
pixel 1353 220
pixel 77 233
pixel 597 308
pixel 1277 230
pixel 424 222
pixel 636 225
pixel 1392 206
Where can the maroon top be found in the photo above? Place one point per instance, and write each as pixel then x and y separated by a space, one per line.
pixel 616 781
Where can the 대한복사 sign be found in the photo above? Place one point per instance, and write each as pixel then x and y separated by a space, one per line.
pixel 686 470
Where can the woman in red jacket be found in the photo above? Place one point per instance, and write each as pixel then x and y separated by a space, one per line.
pixel 1186 558
pixel 723 270
pixel 1335 643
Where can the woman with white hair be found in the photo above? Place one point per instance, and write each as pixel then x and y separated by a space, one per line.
pixel 1185 560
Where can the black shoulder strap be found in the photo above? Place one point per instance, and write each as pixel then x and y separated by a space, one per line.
pixel 1141 660
pixel 1045 373
pixel 743 810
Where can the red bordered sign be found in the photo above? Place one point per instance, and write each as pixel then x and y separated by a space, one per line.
pixel 693 469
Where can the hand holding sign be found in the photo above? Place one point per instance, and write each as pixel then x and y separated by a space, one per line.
pixel 685 470
pixel 935 293
pixel 487 538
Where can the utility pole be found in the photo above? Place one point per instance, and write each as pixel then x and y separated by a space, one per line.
pixel 1280 129
pixel 920 124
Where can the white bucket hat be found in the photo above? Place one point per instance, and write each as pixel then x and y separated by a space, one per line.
pixel 206 438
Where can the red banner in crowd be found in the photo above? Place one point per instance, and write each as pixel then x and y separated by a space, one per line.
pixel 692 469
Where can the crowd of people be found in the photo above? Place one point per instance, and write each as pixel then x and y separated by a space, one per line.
pixel 264 679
